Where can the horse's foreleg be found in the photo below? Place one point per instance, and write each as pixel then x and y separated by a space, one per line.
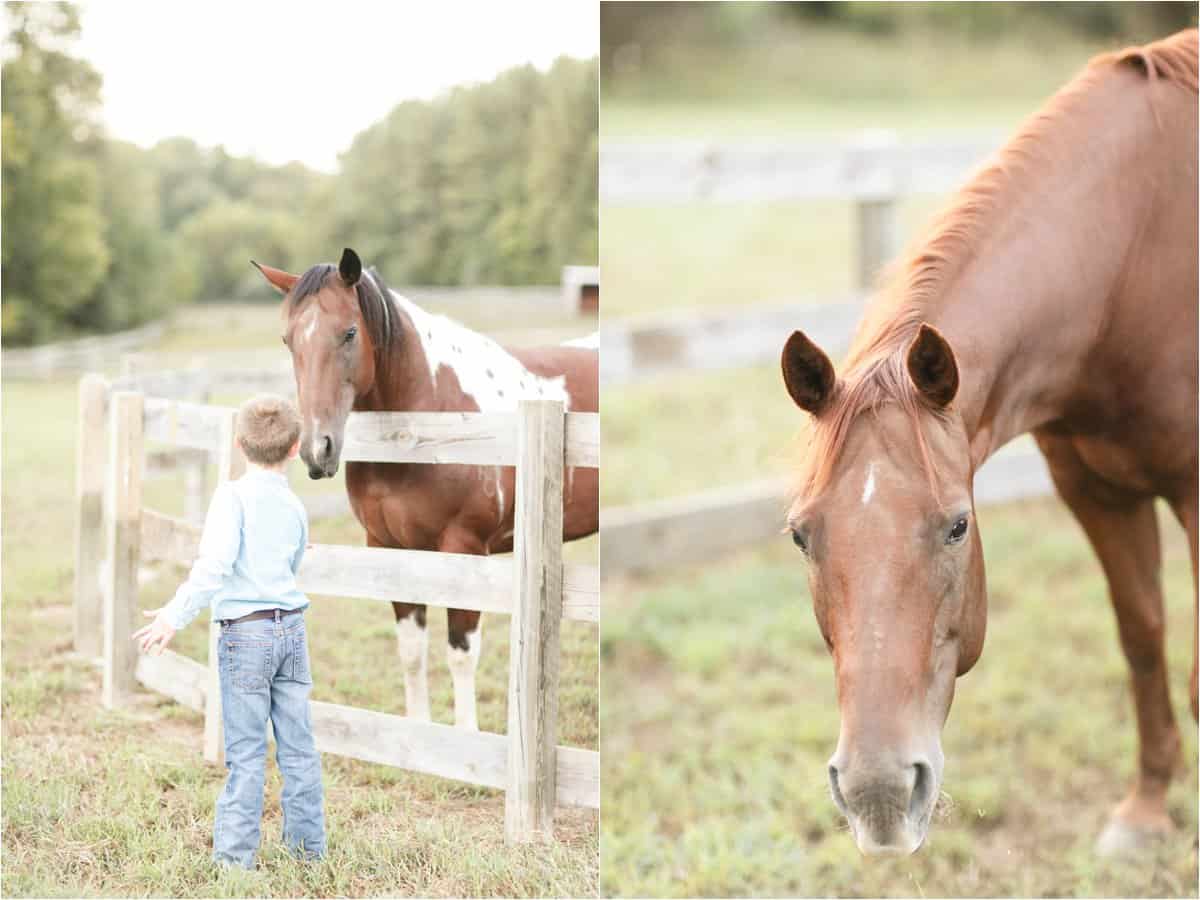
pixel 1123 530
pixel 464 640
pixel 1186 511
pixel 464 636
pixel 412 643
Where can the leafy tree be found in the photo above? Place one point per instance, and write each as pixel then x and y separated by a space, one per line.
pixel 56 257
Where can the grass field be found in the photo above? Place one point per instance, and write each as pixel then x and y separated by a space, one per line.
pixel 717 703
pixel 120 803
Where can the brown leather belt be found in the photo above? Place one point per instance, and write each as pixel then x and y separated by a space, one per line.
pixel 275 614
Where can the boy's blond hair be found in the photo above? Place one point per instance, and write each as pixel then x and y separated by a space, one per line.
pixel 267 428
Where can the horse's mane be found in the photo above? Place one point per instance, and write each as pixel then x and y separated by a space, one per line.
pixel 378 315
pixel 874 371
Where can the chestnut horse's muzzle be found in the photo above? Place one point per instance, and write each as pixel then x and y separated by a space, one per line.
pixel 887 803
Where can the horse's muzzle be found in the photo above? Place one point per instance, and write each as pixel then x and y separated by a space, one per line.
pixel 321 455
pixel 888 806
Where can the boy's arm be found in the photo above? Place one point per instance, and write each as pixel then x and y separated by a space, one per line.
pixel 219 547
pixel 299 554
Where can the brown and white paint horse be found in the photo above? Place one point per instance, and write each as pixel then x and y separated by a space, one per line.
pixel 1056 295
pixel 356 345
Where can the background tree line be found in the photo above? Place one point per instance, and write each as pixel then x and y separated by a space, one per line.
pixel 492 183
pixel 664 27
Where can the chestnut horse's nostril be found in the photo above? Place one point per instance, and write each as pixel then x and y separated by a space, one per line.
pixel 328 447
pixel 838 799
pixel 922 792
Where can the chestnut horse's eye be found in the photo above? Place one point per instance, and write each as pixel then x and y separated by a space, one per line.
pixel 958 531
pixel 350 334
pixel 800 540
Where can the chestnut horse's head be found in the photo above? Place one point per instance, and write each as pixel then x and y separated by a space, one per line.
pixel 885 521
pixel 337 325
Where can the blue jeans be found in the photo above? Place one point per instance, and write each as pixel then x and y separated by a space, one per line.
pixel 265 675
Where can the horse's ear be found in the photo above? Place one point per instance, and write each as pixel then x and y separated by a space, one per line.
pixel 280 280
pixel 350 268
pixel 807 373
pixel 931 366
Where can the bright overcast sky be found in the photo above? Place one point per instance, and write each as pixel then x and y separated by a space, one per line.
pixel 298 80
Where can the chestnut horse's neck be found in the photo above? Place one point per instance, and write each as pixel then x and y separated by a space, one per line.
pixel 1024 274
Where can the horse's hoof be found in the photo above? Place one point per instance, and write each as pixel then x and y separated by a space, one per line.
pixel 1122 839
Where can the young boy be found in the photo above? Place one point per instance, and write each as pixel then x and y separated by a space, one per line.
pixel 254 537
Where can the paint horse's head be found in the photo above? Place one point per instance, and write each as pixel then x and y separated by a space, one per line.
pixel 884 519
pixel 338 326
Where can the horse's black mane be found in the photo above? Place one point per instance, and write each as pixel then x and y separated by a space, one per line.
pixel 378 313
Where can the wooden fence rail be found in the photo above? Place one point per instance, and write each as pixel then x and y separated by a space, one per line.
pixel 89 353
pixel 740 336
pixel 533 586
pixel 872 169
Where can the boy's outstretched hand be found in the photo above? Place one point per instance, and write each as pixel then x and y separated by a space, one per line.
pixel 154 637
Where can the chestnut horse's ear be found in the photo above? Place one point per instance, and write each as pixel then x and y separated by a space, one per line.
pixel 807 373
pixel 931 366
pixel 280 280
pixel 350 268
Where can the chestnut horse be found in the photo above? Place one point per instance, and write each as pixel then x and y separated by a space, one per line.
pixel 1056 295
pixel 357 345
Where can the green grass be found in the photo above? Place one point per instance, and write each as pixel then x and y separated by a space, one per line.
pixel 120 803
pixel 718 714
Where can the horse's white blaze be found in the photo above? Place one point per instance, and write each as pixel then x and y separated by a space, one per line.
pixel 310 325
pixel 490 375
pixel 869 486
pixel 463 664
pixel 412 639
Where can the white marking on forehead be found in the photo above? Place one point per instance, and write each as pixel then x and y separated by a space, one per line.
pixel 494 378
pixel 309 321
pixel 869 486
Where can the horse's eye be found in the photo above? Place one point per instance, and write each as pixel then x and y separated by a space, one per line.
pixel 284 339
pixel 800 540
pixel 350 334
pixel 958 531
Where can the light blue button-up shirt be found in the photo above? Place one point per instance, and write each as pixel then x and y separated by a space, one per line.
pixel 254 538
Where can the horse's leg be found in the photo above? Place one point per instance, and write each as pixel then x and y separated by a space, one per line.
pixel 1185 510
pixel 412 643
pixel 464 637
pixel 1123 531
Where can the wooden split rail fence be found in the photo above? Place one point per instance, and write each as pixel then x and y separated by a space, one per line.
pixel 533 586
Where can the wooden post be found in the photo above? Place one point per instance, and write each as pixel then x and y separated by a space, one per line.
pixel 876 223
pixel 195 482
pixel 877 242
pixel 537 613
pixel 230 464
pixel 91 452
pixel 123 535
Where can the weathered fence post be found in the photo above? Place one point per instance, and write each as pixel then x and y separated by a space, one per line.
pixel 536 617
pixel 230 464
pixel 195 481
pixel 876 225
pixel 123 509
pixel 91 452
